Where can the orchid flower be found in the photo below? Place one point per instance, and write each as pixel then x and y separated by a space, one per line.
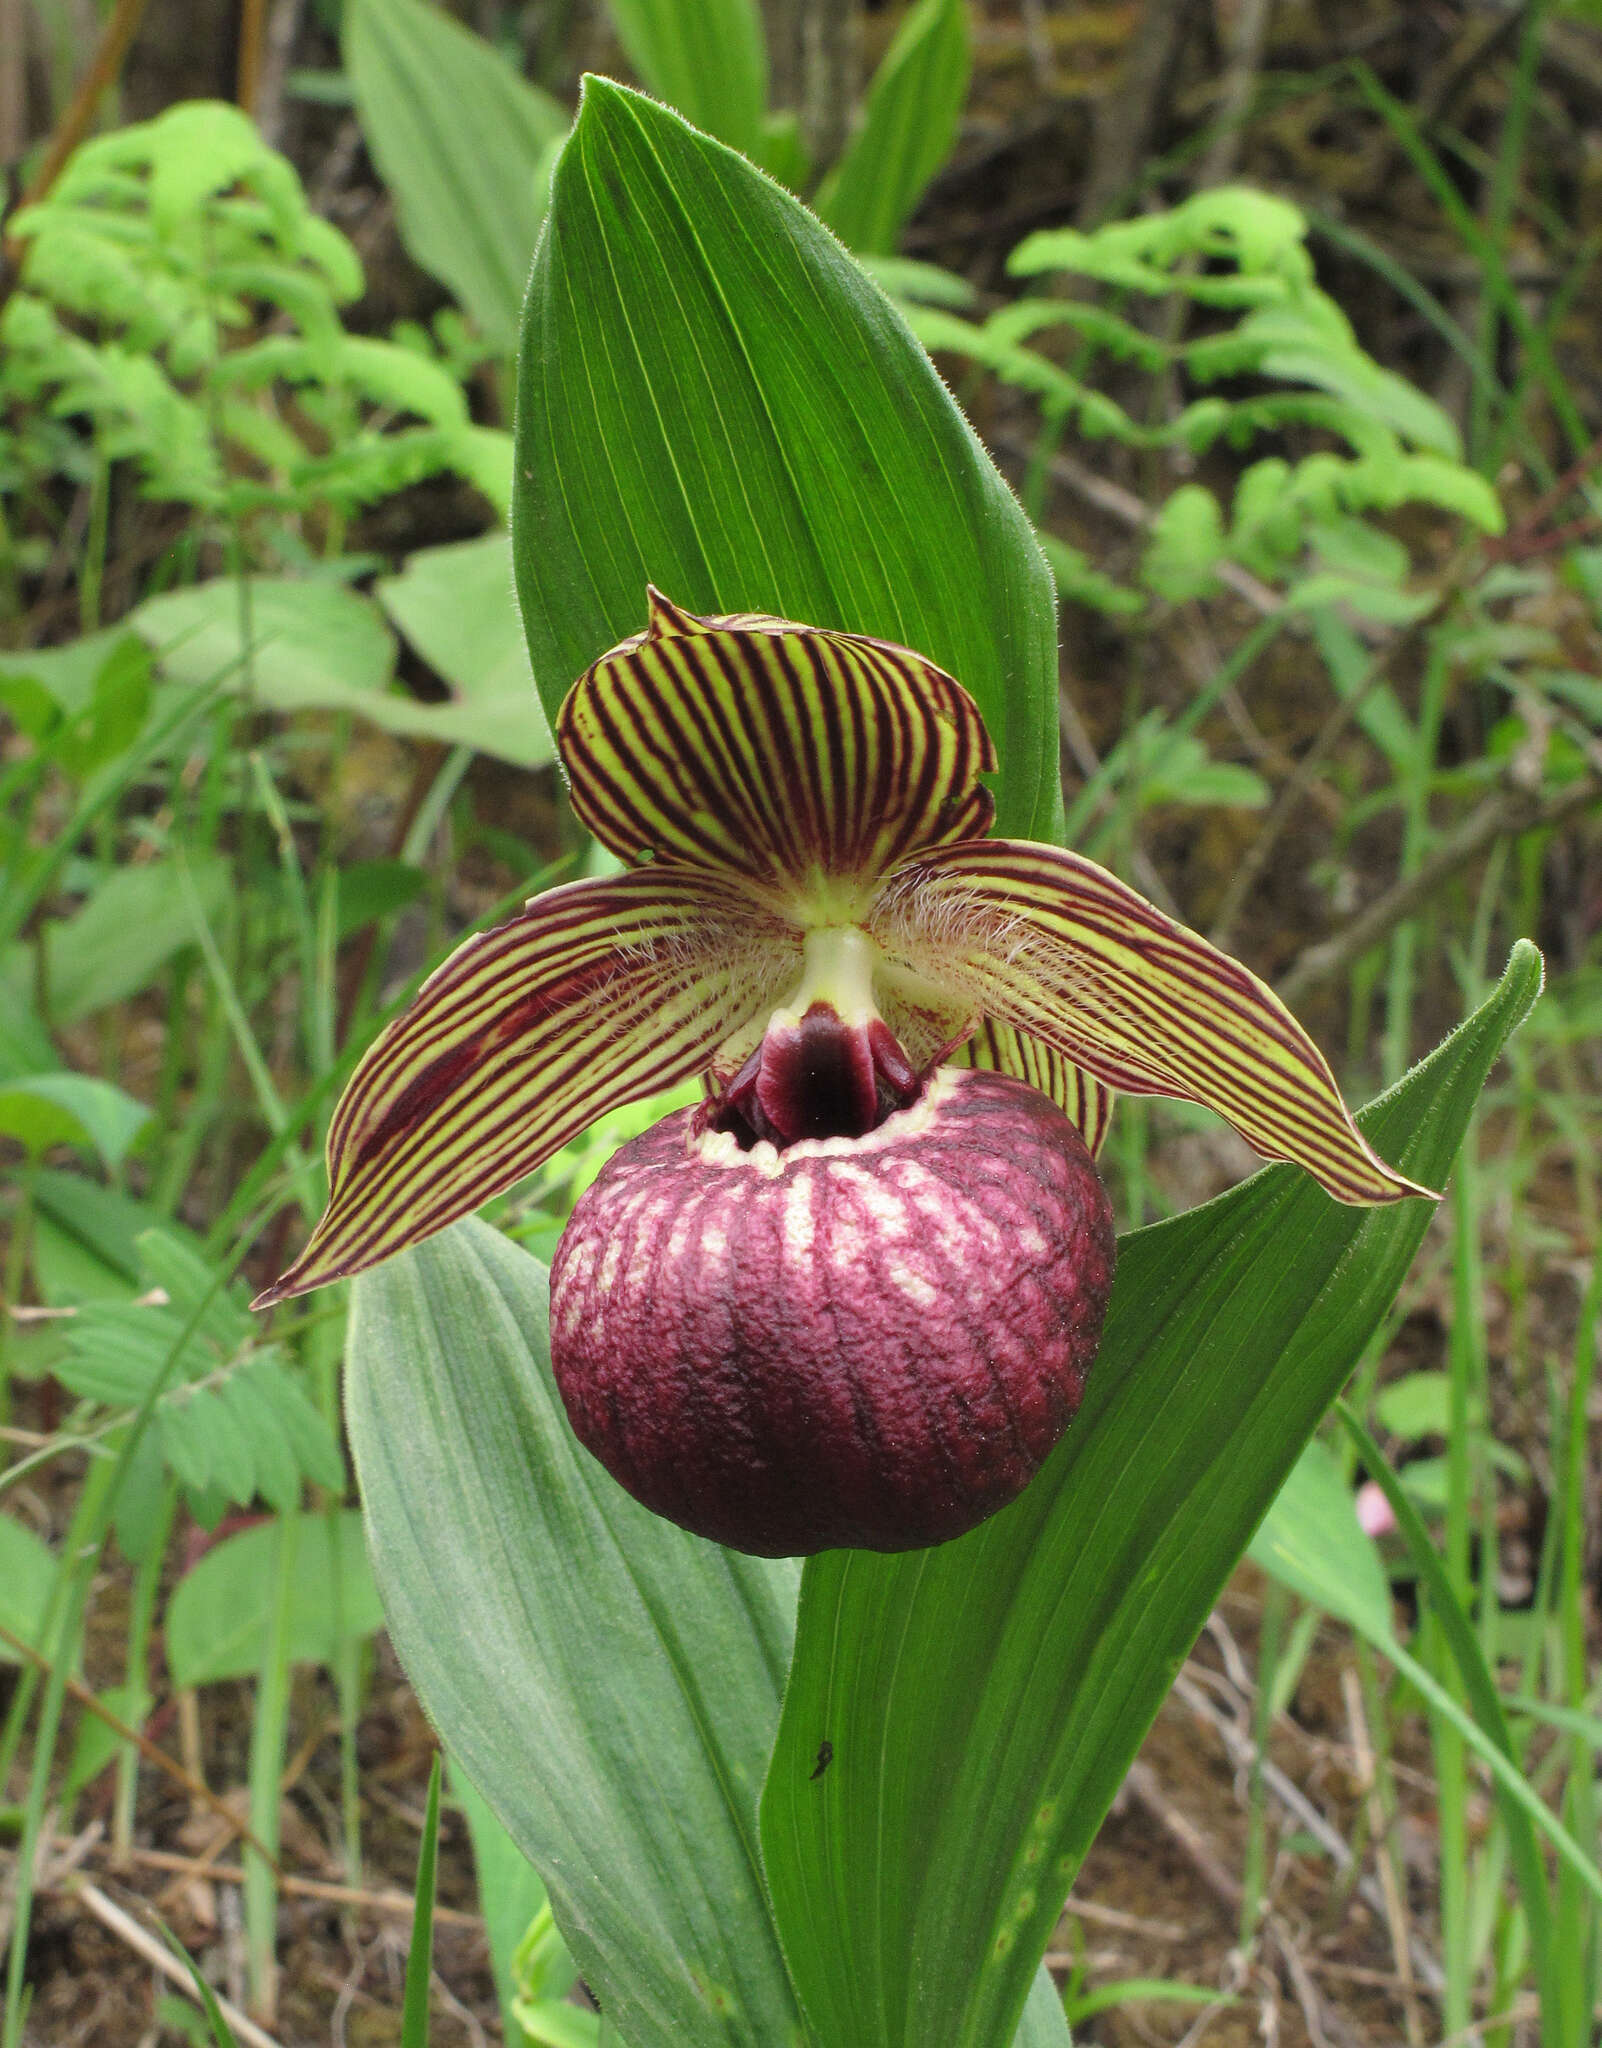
pixel 812 921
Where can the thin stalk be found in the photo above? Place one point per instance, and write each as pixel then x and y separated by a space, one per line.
pixel 1485 253
pixel 1276 1609
pixel 1577 1919
pixel 76 1575
pixel 205 1107
pixel 19 1247
pixel 267 1739
pixel 1502 199
pixel 92 568
pixel 1415 833
pixel 325 1347
pixel 142 1608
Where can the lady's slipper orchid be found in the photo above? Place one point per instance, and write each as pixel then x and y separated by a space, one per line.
pixel 851 1298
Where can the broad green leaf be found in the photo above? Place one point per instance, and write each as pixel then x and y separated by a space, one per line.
pixel 27 1573
pixel 1420 1404
pixel 420 1953
pixel 318 646
pixel 609 1683
pixel 1311 1542
pixel 909 124
pixel 126 931
pixel 458 138
pixel 707 58
pixel 298 646
pixel 984 1700
pixel 455 604
pixel 71 1109
pixel 25 1046
pixel 219 1614
pixel 715 399
pixel 67 673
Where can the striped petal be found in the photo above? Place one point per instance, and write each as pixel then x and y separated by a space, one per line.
pixel 1053 945
pixel 599 993
pixel 1086 1102
pixel 805 763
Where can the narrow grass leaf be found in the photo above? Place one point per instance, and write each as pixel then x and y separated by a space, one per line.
pixel 221 2033
pixel 1479 1684
pixel 420 1954
pixel 984 1700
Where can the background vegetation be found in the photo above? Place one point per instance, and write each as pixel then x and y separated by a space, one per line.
pixel 1284 322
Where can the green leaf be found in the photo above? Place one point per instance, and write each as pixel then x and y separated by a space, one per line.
pixel 68 673
pixel 707 58
pixel 908 126
pixel 459 139
pixel 1185 546
pixel 926 284
pixel 455 604
pixel 1311 1542
pixel 510 1890
pixel 219 1614
pixel 715 399
pixel 985 1699
pixel 317 646
pixel 27 1573
pixel 126 931
pixel 71 1109
pixel 420 1952
pixel 610 1684
pixel 1420 1404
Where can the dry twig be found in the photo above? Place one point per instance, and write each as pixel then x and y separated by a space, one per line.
pixel 159 1957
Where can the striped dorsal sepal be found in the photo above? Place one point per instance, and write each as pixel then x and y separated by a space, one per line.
pixel 1086 1102
pixel 599 993
pixel 1052 944
pixel 803 764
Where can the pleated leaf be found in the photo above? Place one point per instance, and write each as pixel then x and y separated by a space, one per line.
pixel 599 993
pixel 459 139
pixel 1054 945
pixel 909 123
pixel 714 398
pixel 708 58
pixel 984 1700
pixel 806 764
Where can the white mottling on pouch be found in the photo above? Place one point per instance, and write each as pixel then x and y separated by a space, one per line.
pixel 797 1226
pixel 607 1276
pixel 1030 1241
pixel 845 1245
pixel 911 1284
pixel 882 1203
pixel 714 1241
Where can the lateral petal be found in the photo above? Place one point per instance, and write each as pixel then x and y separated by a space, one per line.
pixel 1086 1102
pixel 598 993
pixel 1050 943
pixel 804 763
